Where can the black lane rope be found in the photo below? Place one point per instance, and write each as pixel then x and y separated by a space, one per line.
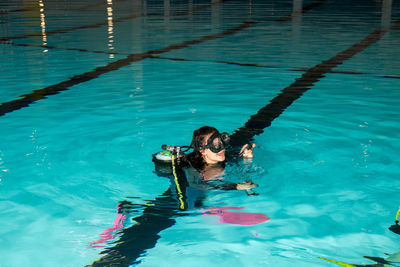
pixel 39 94
pixel 105 23
pixel 264 117
pixel 297 69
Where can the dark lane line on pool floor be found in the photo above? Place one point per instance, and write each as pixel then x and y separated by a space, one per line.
pixel 5 12
pixel 51 47
pixel 302 69
pixel 106 22
pixel 242 64
pixel 102 3
pixel 39 94
pixel 264 117
pixel 65 30
pixel 297 69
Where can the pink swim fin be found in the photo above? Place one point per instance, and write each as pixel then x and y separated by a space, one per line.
pixel 241 218
pixel 109 232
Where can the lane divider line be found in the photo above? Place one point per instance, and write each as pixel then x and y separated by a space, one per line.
pixel 258 65
pixel 105 23
pixel 264 117
pixel 39 94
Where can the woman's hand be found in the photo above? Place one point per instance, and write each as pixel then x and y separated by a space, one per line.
pixel 247 150
pixel 245 185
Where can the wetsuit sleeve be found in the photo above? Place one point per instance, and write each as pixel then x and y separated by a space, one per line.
pixel 222 185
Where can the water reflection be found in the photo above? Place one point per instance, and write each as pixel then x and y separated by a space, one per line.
pixel 216 13
pixel 297 6
pixel 167 7
pixel 190 9
pixel 110 27
pixel 296 23
pixel 43 24
pixel 386 14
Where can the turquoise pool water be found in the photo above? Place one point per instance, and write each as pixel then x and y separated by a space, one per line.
pixel 90 90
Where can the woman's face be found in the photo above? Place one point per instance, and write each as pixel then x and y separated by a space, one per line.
pixel 209 156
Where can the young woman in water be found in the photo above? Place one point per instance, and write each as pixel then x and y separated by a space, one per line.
pixel 208 156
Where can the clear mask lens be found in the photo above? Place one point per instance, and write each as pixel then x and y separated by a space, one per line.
pixel 217 142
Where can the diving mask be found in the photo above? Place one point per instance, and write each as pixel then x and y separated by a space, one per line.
pixel 217 142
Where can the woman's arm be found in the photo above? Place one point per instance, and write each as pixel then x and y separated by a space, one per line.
pixel 247 185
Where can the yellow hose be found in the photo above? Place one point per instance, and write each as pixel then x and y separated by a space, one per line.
pixel 182 206
pixel 338 262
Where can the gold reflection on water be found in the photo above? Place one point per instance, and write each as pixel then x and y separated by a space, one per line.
pixel 167 7
pixel 110 27
pixel 297 13
pixel 297 7
pixel 137 45
pixel 386 14
pixel 190 9
pixel 250 5
pixel 216 16
pixel 43 24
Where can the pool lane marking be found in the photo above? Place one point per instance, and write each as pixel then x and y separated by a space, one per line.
pixel 264 117
pixel 5 12
pixel 297 69
pixel 105 23
pixel 54 89
pixel 67 49
pixel 102 3
pixel 51 32
pixel 39 94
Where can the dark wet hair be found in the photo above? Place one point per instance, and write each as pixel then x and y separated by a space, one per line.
pixel 200 135
pixel 195 158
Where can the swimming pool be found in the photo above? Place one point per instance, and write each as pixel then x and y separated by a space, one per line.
pixel 90 90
